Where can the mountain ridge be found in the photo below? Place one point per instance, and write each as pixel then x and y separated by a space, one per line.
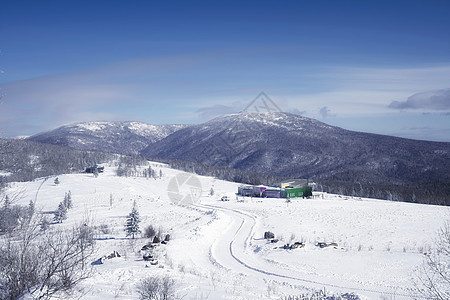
pixel 125 137
pixel 282 145
pixel 290 145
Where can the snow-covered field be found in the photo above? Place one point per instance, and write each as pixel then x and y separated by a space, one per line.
pixel 217 250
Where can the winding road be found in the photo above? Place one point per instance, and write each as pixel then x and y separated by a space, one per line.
pixel 232 251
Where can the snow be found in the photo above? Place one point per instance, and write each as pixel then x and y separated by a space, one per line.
pixel 92 126
pixel 217 250
pixel 138 128
pixel 101 129
pixel 5 173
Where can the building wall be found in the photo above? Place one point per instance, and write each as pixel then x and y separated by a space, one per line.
pixel 299 192
pixel 273 193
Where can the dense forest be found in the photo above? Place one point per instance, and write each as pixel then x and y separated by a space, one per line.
pixel 436 192
pixel 225 173
pixel 26 160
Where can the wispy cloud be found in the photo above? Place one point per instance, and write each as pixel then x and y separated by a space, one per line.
pixel 210 112
pixel 435 100
pixel 55 100
pixel 189 89
pixel 119 91
pixel 348 91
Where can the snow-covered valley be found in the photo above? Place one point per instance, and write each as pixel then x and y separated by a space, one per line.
pixel 217 249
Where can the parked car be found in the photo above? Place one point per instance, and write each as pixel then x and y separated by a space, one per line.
pixel 225 198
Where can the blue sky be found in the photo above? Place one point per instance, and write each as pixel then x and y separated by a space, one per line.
pixel 376 66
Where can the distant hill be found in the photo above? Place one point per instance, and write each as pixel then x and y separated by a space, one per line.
pixel 294 146
pixel 283 145
pixel 115 137
pixel 290 145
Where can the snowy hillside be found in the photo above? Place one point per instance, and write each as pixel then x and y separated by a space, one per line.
pixel 290 145
pixel 217 250
pixel 285 145
pixel 294 146
pixel 115 137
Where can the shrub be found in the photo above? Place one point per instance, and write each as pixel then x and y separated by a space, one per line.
pixel 149 232
pixel 323 295
pixel 157 288
pixel 104 228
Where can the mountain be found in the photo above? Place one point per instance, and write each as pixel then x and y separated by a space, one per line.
pixel 116 137
pixel 290 145
pixel 279 144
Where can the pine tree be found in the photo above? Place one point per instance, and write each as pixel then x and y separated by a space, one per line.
pixel 132 224
pixel 56 180
pixel 7 203
pixel 45 224
pixel 160 173
pixel 65 200
pixel 31 208
pixel 61 213
pixel 68 200
pixel 150 171
pixel 211 192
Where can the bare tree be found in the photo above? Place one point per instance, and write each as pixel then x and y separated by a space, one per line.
pixel 12 216
pixel 44 263
pixel 157 288
pixel 433 278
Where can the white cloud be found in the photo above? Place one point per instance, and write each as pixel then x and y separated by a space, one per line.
pixel 434 100
pixel 363 91
pixel 207 113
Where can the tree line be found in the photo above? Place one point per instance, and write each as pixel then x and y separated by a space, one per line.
pixel 27 160
pixel 225 173
pixel 434 192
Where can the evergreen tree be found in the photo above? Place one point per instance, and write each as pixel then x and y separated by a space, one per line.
pixel 160 173
pixel 211 192
pixel 132 224
pixel 65 201
pixel 68 200
pixel 45 224
pixel 56 180
pixel 61 213
pixel 31 208
pixel 7 203
pixel 150 171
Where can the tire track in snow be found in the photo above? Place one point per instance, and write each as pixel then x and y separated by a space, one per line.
pixel 244 217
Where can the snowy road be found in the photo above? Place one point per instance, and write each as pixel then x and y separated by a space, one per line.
pixel 233 251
